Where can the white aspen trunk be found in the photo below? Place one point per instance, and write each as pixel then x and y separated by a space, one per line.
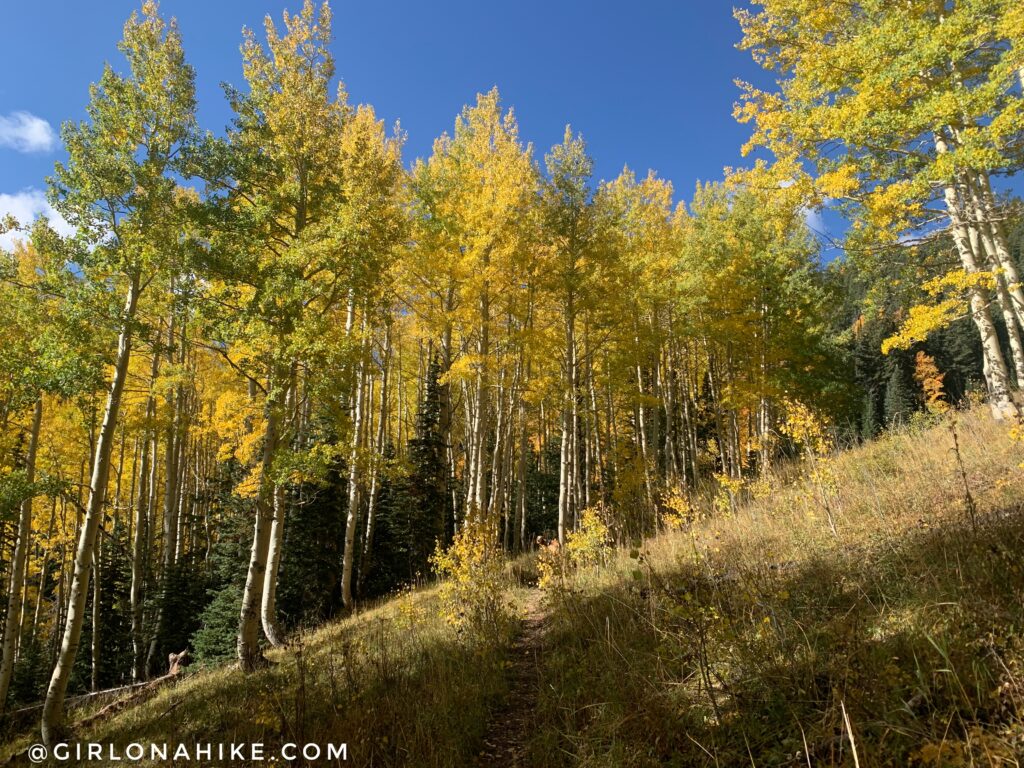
pixel 1001 247
pixel 655 417
pixel 498 453
pixel 22 608
pixel 737 450
pixel 172 489
pixel 249 655
pixel 96 635
pixel 366 561
pixel 133 486
pixel 181 493
pixel 521 478
pixel 712 379
pixel 499 456
pixel 564 480
pixel 12 628
pixel 611 428
pixel 115 507
pixel 53 708
pixel 507 466
pixel 477 500
pixel 983 248
pixel 350 313
pixel 983 244
pixel 524 444
pixel 469 450
pixel 171 494
pixel 599 458
pixel 59 605
pixel 691 397
pixel 642 436
pixel 151 503
pixel 352 520
pixel 445 408
pixel 268 604
pixel 996 374
pixel 575 479
pixel 565 471
pixel 763 412
pixel 670 408
pixel 44 569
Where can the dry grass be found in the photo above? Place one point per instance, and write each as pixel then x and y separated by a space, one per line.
pixel 394 683
pixel 765 638
pixel 864 608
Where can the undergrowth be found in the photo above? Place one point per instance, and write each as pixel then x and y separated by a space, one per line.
pixel 395 683
pixel 886 622
pixel 864 608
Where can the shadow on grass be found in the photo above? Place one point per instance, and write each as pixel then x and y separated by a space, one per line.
pixel 726 662
pixel 394 685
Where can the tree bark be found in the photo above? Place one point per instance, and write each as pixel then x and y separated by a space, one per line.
pixel 94 680
pixel 53 708
pixel 172 491
pixel 366 559
pixel 250 657
pixel 141 524
pixel 12 628
pixel 1001 247
pixel 268 605
pixel 352 520
pixel 983 245
pixel 566 482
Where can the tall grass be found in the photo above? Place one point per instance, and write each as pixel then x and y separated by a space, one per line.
pixel 394 683
pixel 888 636
pixel 868 611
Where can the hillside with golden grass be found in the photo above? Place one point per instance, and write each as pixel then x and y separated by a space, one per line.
pixel 865 611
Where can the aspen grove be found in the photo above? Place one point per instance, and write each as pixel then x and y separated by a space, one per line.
pixel 278 369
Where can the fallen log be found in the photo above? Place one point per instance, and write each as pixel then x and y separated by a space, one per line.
pixel 138 692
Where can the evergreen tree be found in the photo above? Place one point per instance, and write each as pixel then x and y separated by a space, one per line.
pixel 214 639
pixel 415 504
pixel 901 400
pixel 311 559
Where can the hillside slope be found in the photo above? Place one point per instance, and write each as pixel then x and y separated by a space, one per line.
pixel 768 636
pixel 765 638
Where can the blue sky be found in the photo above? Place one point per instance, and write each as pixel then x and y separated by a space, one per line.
pixel 649 83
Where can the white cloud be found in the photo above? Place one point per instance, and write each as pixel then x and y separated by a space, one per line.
pixel 26 206
pixel 24 132
pixel 814 220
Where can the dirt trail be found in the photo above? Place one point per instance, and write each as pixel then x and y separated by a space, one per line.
pixel 508 726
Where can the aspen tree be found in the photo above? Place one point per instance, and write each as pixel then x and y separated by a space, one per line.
pixel 305 219
pixel 862 84
pixel 478 187
pixel 571 226
pixel 117 189
pixel 275 181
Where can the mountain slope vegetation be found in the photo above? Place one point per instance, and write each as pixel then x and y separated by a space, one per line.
pixel 273 372
pixel 759 634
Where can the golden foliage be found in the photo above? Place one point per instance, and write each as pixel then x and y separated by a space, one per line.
pixel 951 291
pixel 928 375
pixel 589 545
pixel 472 594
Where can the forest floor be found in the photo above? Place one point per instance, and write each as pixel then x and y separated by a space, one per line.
pixel 508 727
pixel 866 609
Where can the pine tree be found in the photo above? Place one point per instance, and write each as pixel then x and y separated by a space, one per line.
pixel 901 400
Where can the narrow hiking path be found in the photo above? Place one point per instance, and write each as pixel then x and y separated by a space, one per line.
pixel 504 744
